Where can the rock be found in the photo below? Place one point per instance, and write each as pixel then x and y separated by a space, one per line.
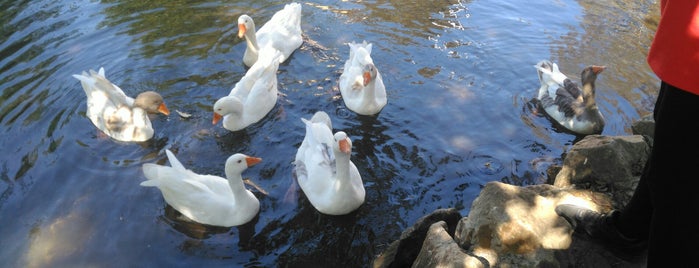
pixel 402 253
pixel 440 250
pixel 605 164
pixel 511 225
pixel 516 226
pixel 645 127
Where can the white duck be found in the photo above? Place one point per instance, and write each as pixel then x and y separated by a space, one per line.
pixel 361 85
pixel 116 114
pixel 565 102
pixel 324 171
pixel 206 199
pixel 252 97
pixel 282 32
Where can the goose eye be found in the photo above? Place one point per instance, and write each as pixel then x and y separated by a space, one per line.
pixel 240 161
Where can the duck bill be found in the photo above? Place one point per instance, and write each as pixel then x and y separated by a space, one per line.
pixel 598 69
pixel 241 30
pixel 367 78
pixel 163 109
pixel 251 161
pixel 217 117
pixel 344 146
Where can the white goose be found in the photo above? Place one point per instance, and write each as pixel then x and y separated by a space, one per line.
pixel 565 102
pixel 206 199
pixel 324 171
pixel 252 97
pixel 282 32
pixel 361 85
pixel 116 114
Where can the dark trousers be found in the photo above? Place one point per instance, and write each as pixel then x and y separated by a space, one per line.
pixel 667 196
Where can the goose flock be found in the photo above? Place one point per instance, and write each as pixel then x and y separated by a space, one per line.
pixel 322 166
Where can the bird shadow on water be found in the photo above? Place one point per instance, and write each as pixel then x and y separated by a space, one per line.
pixel 309 245
pixel 195 230
pixel 234 141
pixel 154 146
pixel 367 132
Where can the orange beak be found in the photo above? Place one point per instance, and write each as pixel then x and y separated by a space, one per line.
pixel 367 78
pixel 251 161
pixel 163 109
pixel 241 30
pixel 598 69
pixel 344 146
pixel 217 117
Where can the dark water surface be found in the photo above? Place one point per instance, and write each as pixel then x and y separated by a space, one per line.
pixel 459 77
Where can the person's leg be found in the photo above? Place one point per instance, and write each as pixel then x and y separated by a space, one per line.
pixel 635 218
pixel 673 180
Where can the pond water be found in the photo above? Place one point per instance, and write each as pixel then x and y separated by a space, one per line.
pixel 459 77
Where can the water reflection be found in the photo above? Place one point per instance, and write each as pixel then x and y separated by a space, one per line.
pixel 175 29
pixel 59 241
pixel 417 19
pixel 27 90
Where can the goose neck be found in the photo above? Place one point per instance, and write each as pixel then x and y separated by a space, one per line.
pixel 589 93
pixel 235 181
pixel 251 40
pixel 342 162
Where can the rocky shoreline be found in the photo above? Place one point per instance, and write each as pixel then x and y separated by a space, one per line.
pixel 514 226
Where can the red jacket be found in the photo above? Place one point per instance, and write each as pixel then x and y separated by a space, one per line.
pixel 674 53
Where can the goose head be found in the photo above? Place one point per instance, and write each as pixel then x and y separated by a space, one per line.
pixel 237 163
pixel 246 26
pixel 151 102
pixel 369 73
pixel 589 74
pixel 228 105
pixel 588 78
pixel 342 142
